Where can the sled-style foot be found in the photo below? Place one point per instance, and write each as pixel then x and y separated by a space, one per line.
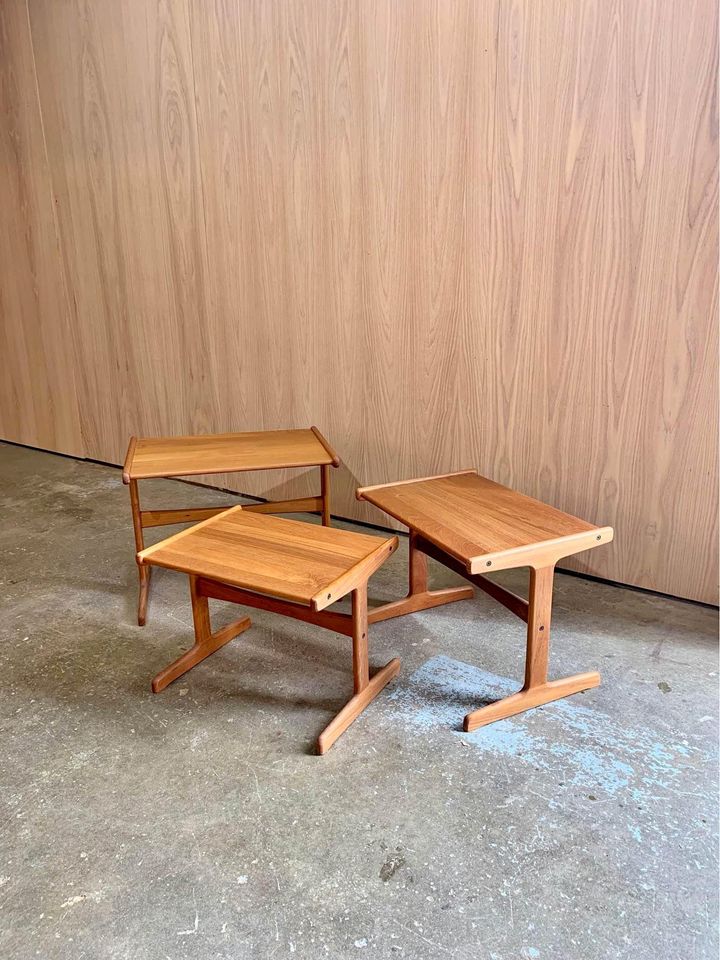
pixel 419 601
pixel 533 697
pixel 355 706
pixel 197 653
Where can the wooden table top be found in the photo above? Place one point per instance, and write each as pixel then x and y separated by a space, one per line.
pixel 226 453
pixel 301 562
pixel 483 524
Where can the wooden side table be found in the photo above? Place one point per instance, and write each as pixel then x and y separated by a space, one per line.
pixel 165 457
pixel 285 566
pixel 475 526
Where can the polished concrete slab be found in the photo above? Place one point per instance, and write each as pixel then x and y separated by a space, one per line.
pixel 197 823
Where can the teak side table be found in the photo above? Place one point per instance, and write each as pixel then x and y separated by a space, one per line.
pixel 165 457
pixel 475 526
pixel 284 566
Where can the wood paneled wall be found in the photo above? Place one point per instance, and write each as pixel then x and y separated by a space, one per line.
pixel 451 233
pixel 38 400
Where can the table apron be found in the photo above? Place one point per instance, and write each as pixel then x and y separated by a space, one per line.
pixel 338 622
pixel 507 598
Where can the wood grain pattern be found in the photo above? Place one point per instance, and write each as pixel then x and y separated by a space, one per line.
pixel 484 524
pixel 117 98
pixel 38 402
pixel 203 454
pixel 190 456
pixel 295 561
pixel 452 233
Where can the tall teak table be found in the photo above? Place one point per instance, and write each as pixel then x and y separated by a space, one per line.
pixel 475 526
pixel 165 457
pixel 285 566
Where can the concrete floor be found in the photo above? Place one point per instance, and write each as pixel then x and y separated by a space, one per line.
pixel 197 823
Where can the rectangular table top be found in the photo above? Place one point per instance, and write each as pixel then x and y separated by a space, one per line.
pixel 226 453
pixel 301 562
pixel 483 524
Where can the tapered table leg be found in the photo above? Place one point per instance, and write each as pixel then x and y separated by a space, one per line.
pixel 537 689
pixel 418 597
pixel 143 571
pixel 366 688
pixel 325 493
pixel 143 593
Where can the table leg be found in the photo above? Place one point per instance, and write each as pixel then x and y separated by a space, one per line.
pixel 537 689
pixel 361 668
pixel 206 642
pixel 143 569
pixel 325 493
pixel 365 687
pixel 418 597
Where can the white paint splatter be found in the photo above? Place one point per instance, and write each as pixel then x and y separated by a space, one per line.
pixel 194 930
pixel 80 898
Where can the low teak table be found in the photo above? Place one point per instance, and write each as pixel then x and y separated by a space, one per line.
pixel 475 526
pixel 285 566
pixel 164 457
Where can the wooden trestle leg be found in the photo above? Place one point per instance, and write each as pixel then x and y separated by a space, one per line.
pixel 206 642
pixel 537 689
pixel 325 493
pixel 418 597
pixel 366 688
pixel 143 570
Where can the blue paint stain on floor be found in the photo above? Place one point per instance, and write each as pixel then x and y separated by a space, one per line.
pixel 582 745
pixel 569 787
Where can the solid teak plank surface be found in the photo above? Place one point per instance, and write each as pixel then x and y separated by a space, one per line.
pixel 482 523
pixel 227 453
pixel 301 562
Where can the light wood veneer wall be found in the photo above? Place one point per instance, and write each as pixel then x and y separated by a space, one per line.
pixel 450 233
